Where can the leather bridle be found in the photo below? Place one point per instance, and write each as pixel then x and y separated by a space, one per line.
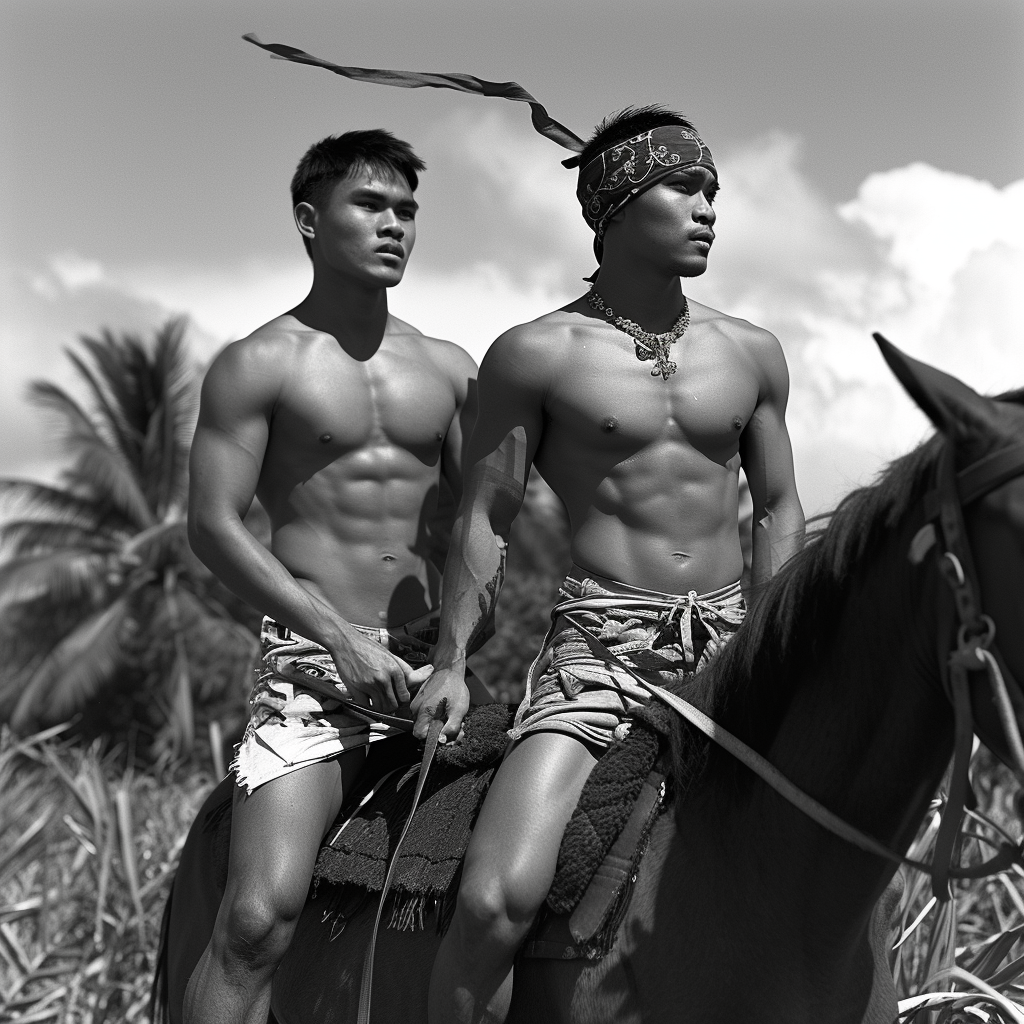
pixel 974 653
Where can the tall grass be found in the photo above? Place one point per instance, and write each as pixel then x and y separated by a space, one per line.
pixel 87 850
pixel 88 846
pixel 963 961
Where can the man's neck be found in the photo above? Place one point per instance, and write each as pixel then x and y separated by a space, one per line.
pixel 353 313
pixel 651 300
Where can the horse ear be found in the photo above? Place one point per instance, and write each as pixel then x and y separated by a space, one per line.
pixel 948 402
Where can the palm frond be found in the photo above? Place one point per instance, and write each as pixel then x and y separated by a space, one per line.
pixel 166 447
pixel 174 529
pixel 28 536
pixel 27 496
pixel 121 361
pixel 73 422
pixel 67 575
pixel 125 437
pixel 75 670
pixel 103 470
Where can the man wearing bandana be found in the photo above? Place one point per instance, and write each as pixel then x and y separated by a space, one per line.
pixel 638 406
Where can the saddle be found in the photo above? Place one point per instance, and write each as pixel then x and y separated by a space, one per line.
pixel 598 859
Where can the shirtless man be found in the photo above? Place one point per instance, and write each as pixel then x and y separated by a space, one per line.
pixel 645 460
pixel 347 424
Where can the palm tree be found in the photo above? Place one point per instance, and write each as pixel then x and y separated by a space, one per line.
pixel 100 596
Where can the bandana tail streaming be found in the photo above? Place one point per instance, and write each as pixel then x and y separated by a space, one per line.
pixel 543 122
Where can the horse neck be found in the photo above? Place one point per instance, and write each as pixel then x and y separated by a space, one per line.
pixel 866 731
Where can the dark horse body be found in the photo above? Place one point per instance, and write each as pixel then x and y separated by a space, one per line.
pixel 744 909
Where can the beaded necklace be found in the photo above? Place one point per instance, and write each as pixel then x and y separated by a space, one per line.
pixel 647 345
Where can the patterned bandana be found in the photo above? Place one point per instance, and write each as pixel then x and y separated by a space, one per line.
pixel 627 169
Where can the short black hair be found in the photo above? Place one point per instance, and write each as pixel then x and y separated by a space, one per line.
pixel 627 124
pixel 333 159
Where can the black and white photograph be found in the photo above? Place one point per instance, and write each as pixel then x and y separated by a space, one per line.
pixel 512 513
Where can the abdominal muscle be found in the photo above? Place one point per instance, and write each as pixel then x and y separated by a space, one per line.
pixel 665 520
pixel 361 546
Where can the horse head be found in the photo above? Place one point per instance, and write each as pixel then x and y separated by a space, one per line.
pixel 978 494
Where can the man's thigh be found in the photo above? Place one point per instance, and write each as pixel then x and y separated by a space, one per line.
pixel 519 830
pixel 276 830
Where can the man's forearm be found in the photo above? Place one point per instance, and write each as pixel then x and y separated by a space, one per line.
pixel 251 572
pixel 777 536
pixel 474 574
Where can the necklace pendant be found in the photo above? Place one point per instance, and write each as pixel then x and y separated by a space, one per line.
pixel 647 346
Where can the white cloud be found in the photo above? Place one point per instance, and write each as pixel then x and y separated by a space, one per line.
pixel 931 259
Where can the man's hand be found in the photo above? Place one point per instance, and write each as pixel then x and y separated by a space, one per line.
pixel 371 673
pixel 445 683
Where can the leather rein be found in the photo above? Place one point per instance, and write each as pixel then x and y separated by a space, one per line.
pixel 438 718
pixel 974 653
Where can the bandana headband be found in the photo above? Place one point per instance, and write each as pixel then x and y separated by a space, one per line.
pixel 606 184
pixel 622 172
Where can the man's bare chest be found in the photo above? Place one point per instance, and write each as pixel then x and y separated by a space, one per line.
pixel 332 407
pixel 606 398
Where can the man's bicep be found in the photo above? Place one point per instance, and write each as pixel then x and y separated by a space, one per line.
pixel 230 440
pixel 511 404
pixel 765 448
pixel 498 465
pixel 459 432
pixel 766 454
pixel 223 473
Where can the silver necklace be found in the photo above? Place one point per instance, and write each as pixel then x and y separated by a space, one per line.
pixel 647 345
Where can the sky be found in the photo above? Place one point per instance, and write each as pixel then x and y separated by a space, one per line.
pixel 871 158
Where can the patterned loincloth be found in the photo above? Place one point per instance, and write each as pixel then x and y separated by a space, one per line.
pixel 291 727
pixel 665 637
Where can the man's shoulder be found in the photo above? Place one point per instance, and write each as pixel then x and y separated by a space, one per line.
pixel 539 341
pixel 755 342
pixel 733 327
pixel 448 356
pixel 757 347
pixel 268 342
pixel 259 362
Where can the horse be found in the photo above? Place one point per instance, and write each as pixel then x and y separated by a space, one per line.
pixel 744 908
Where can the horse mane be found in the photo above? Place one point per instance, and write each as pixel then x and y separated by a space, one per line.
pixel 749 685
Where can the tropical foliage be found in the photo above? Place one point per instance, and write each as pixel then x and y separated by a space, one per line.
pixel 963 961
pixel 104 611
pixel 87 851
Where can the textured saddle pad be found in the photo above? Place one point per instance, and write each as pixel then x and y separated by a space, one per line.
pixel 358 849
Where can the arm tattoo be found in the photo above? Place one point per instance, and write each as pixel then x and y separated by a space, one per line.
pixel 483 628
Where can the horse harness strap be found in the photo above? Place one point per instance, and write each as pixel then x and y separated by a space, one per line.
pixel 943 506
pixel 430 748
pixel 619 863
pixel 325 688
pixel 783 786
pixel 765 770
